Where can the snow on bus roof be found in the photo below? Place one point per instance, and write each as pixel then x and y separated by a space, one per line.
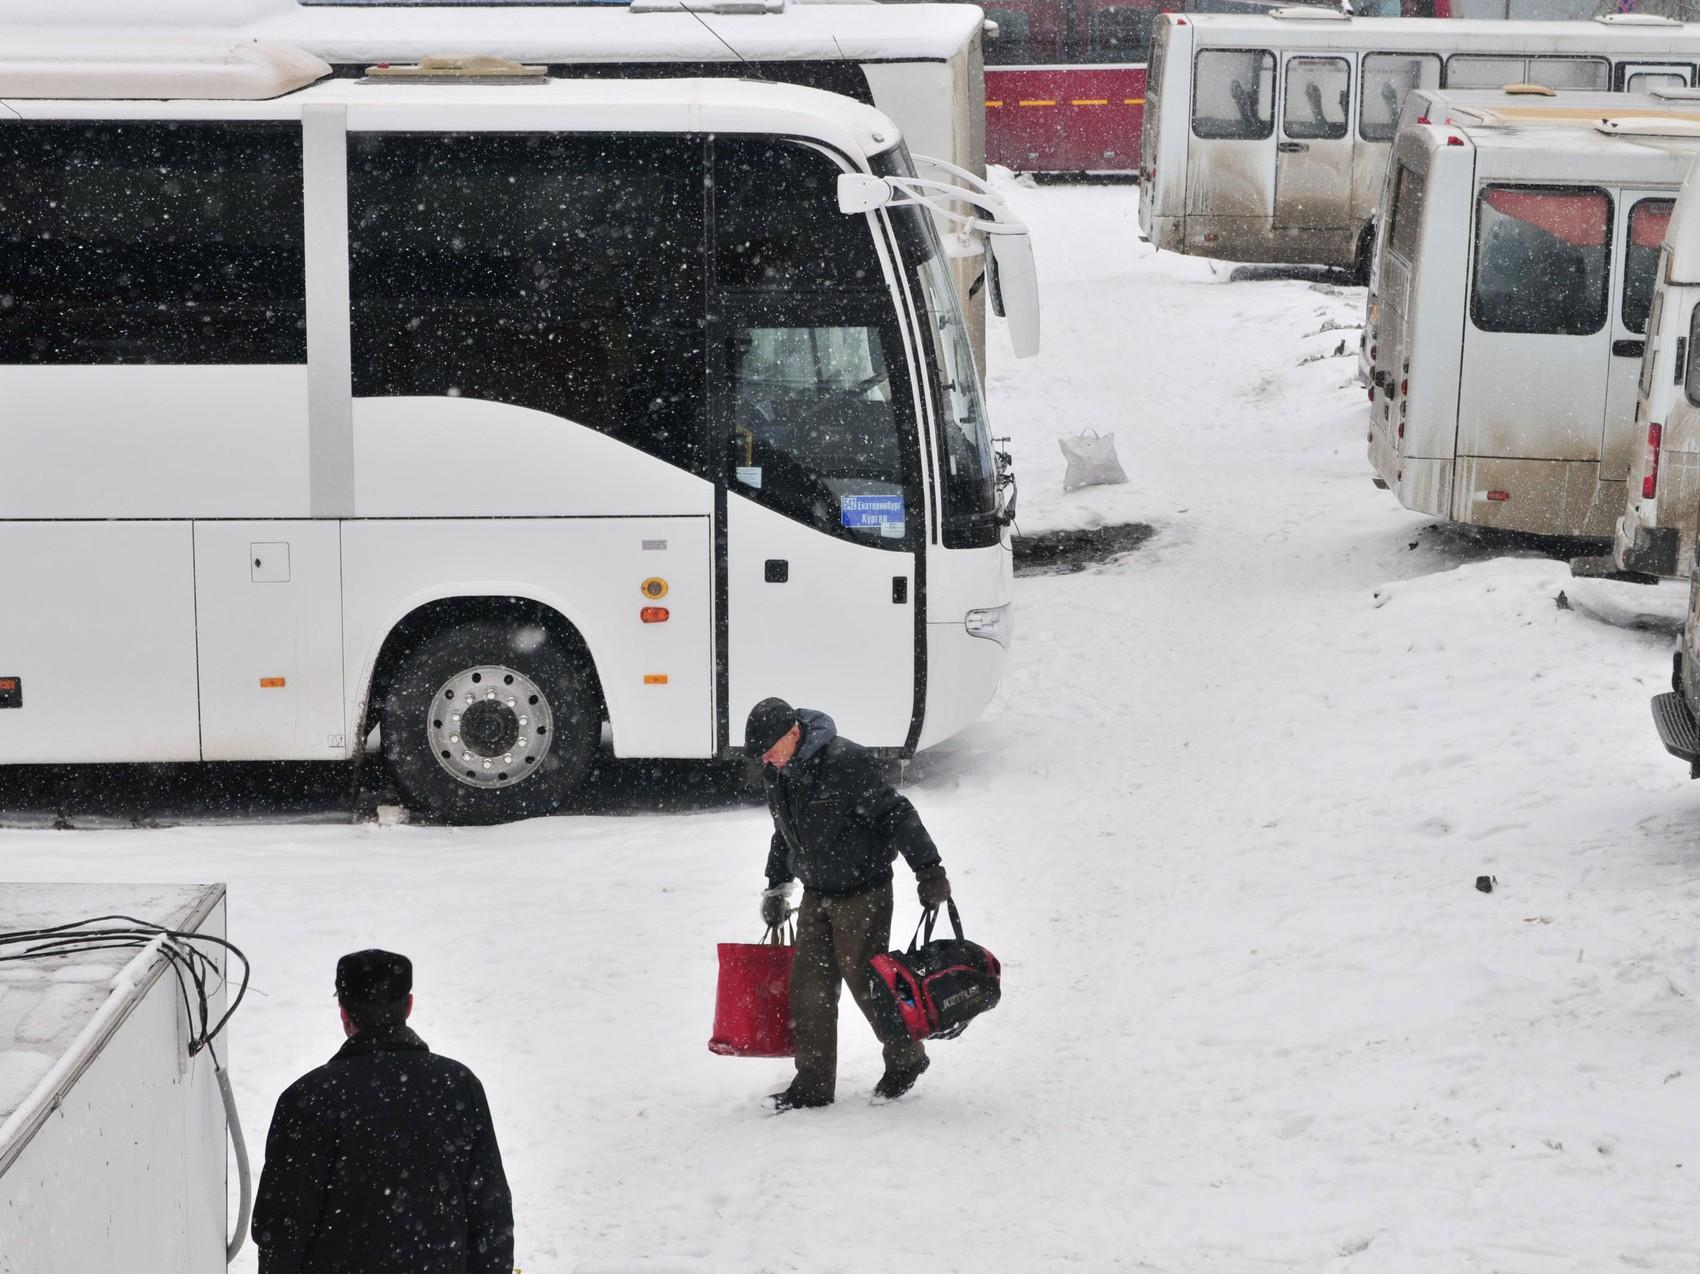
pixel 551 33
pixel 46 1001
pixel 69 66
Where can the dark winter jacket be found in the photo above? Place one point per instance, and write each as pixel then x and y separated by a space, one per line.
pixel 384 1159
pixel 837 823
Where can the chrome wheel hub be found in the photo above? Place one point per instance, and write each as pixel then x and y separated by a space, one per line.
pixel 490 726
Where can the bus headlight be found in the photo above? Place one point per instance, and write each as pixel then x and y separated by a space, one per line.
pixel 992 623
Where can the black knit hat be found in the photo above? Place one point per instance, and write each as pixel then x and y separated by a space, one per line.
pixel 373 977
pixel 767 725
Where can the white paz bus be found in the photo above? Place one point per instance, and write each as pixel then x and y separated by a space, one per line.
pixel 1512 301
pixel 482 413
pixel 1266 138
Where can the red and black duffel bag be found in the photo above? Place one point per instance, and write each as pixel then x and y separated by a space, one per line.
pixel 932 992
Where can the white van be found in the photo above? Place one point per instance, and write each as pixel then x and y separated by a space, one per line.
pixel 1520 103
pixel 484 408
pixel 1655 535
pixel 1266 138
pixel 1512 295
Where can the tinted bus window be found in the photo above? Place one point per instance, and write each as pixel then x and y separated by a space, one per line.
pixel 1408 192
pixel 777 224
pixel 1013 44
pixel 1691 376
pixel 1648 221
pixel 564 274
pixel 1319 95
pixel 151 242
pixel 1120 33
pixel 1387 78
pixel 1233 93
pixel 823 421
pixel 1543 257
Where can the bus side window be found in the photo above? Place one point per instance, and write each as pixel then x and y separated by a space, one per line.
pixel 1570 73
pixel 559 273
pixel 1543 258
pixel 1013 45
pixel 1647 81
pixel 1233 94
pixel 1318 94
pixel 1691 374
pixel 1473 71
pixel 152 242
pixel 1648 221
pixel 1119 33
pixel 1387 78
pixel 777 224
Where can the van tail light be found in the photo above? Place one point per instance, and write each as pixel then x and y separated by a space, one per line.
pixel 1423 119
pixel 1650 482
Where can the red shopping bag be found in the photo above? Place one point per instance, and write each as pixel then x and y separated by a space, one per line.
pixel 752 1006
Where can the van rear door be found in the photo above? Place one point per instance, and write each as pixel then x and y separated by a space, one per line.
pixel 1643 218
pixel 1538 332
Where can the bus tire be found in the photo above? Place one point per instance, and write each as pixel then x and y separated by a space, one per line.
pixel 485 722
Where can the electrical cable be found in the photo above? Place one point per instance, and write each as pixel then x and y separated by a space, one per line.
pixel 195 972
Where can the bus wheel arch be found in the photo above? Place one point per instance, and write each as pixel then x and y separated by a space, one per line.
pixel 522 676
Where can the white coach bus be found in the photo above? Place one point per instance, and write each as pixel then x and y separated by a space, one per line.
pixel 1512 300
pixel 1266 138
pixel 482 414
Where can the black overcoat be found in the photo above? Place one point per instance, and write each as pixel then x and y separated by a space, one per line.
pixel 838 823
pixel 384 1159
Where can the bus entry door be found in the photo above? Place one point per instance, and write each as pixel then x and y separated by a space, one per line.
pixel 821 621
pixel 1313 150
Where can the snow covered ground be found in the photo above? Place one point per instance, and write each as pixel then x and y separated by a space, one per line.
pixel 1223 825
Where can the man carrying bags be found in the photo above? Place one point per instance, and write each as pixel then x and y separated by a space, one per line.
pixel 838 826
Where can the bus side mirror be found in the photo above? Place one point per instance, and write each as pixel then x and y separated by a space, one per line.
pixel 1014 285
pixel 862 193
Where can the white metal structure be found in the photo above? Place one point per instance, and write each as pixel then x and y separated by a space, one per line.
pixel 1655 535
pixel 573 401
pixel 112 1155
pixel 1512 295
pixel 919 63
pixel 1266 138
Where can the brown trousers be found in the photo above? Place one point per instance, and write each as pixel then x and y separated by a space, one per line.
pixel 836 938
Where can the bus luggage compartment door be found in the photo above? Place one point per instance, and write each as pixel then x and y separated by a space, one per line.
pixel 1313 159
pixel 268 601
pixel 819 621
pixel 98 632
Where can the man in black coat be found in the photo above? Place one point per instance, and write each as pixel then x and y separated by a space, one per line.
pixel 837 826
pixel 384 1159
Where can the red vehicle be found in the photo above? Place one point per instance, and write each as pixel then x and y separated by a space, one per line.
pixel 1065 83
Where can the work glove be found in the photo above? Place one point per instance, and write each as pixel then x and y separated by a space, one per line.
pixel 933 886
pixel 775 905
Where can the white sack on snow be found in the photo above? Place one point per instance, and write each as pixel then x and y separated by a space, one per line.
pixel 1091 460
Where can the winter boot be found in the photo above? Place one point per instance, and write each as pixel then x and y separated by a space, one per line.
pixel 899 1081
pixel 791 1100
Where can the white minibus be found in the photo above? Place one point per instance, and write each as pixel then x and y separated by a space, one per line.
pixel 1266 138
pixel 481 413
pixel 1512 296
pixel 1655 535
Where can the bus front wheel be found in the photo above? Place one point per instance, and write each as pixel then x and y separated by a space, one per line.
pixel 486 722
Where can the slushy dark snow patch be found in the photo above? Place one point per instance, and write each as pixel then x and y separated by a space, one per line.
pixel 1075 550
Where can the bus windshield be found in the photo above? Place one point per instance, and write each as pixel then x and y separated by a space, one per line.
pixel 969 484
